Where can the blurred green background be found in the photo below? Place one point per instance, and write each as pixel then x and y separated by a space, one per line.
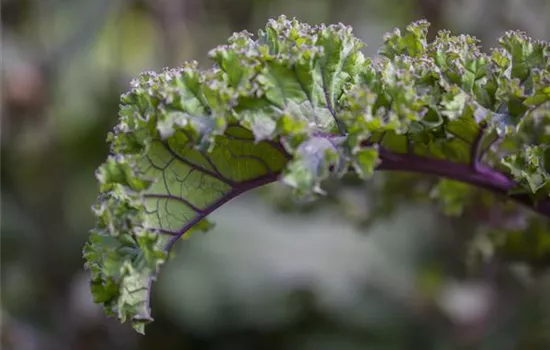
pixel 370 266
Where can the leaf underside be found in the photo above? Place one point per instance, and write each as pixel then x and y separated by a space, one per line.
pixel 298 104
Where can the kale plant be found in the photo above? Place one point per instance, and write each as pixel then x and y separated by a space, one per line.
pixel 299 104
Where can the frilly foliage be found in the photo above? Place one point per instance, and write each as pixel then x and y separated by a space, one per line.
pixel 301 103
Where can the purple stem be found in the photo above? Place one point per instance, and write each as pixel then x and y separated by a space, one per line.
pixel 479 175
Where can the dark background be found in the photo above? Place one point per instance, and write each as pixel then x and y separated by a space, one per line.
pixel 336 274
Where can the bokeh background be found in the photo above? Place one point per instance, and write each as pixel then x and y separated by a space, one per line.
pixel 369 266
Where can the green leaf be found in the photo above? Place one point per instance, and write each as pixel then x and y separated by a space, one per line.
pixel 454 102
pixel 189 140
pixel 524 53
pixel 460 60
pixel 366 162
pixel 530 167
pixel 541 88
pixel 412 43
pixel 299 104
pixel 311 165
